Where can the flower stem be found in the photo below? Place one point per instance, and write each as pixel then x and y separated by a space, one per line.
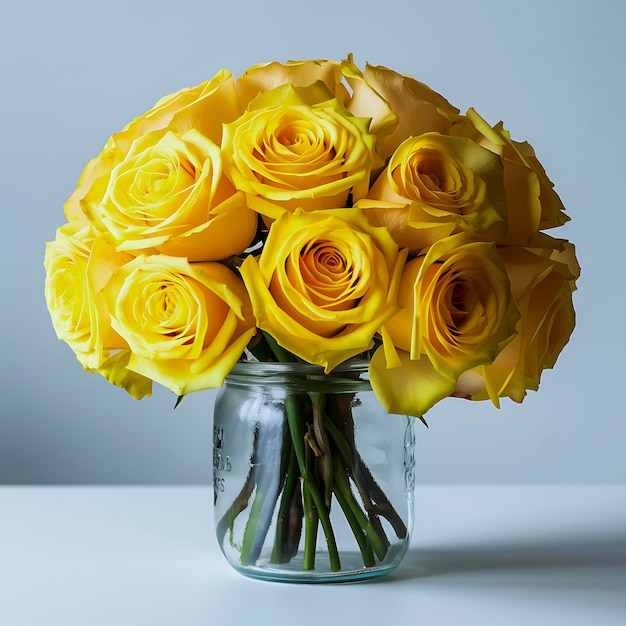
pixel 269 480
pixel 296 427
pixel 311 522
pixel 374 498
pixel 361 521
pixel 344 497
pixel 256 529
pixel 290 512
pixel 324 460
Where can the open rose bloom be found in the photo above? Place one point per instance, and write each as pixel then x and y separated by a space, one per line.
pixel 328 212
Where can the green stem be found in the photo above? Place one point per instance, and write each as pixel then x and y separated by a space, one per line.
pixel 380 502
pixel 262 350
pixel 311 522
pixel 282 355
pixel 290 512
pixel 374 498
pixel 363 523
pixel 324 457
pixel 296 428
pixel 344 499
pixel 250 532
pixel 268 481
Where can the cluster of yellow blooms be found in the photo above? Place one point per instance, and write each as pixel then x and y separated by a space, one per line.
pixel 340 211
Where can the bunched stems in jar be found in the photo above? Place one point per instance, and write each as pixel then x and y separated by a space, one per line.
pixel 318 468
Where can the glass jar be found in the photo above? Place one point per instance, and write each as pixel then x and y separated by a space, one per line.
pixel 313 479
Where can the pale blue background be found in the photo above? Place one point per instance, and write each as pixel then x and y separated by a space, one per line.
pixel 74 72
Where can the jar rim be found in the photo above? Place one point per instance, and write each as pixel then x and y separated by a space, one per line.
pixel 349 376
pixel 256 368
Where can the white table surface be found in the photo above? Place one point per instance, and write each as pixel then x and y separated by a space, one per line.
pixel 135 556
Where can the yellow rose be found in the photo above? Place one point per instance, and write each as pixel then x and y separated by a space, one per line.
pixel 532 203
pixel 457 312
pixel 324 284
pixel 542 287
pixel 398 105
pixel 205 108
pixel 185 324
pixel 298 148
pixel 168 194
pixel 78 311
pixel 79 264
pixel 435 184
pixel 267 76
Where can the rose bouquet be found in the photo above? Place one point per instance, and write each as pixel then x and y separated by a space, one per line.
pixel 314 212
